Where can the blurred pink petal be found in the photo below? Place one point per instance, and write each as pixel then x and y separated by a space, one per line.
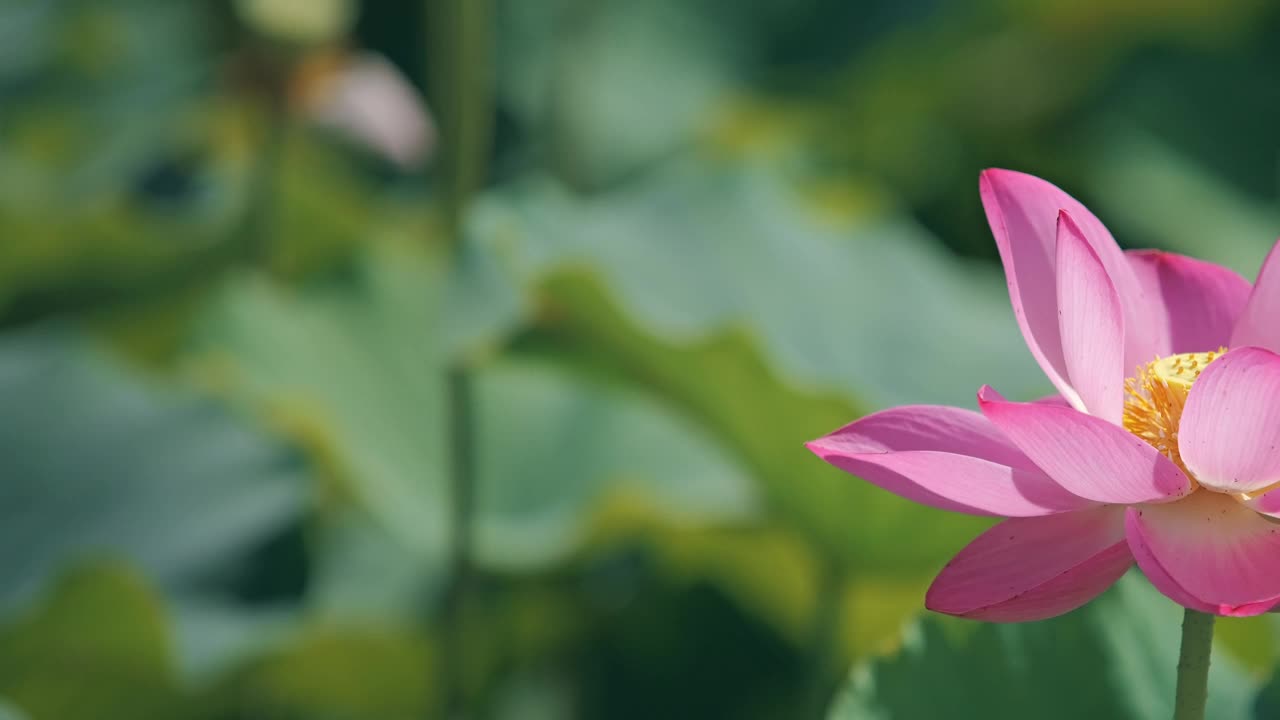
pixel 1259 323
pixel 947 458
pixel 1193 304
pixel 1209 549
pixel 371 101
pixel 1034 568
pixel 1091 324
pixel 1230 432
pixel 1088 456
pixel 1023 213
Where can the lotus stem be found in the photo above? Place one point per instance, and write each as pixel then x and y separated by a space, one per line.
pixel 1193 666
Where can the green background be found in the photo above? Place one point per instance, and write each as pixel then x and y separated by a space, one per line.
pixel 251 369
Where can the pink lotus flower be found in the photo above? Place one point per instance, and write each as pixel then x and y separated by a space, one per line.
pixel 1163 446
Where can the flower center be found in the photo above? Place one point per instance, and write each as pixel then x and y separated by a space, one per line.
pixel 1154 399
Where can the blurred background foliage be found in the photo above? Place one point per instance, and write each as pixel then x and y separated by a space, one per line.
pixel 286 285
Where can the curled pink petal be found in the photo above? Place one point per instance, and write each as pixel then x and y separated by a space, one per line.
pixel 1267 503
pixel 1208 551
pixel 1193 304
pixel 1229 435
pixel 1023 213
pixel 1034 568
pixel 947 458
pixel 1257 324
pixel 1091 324
pixel 1088 456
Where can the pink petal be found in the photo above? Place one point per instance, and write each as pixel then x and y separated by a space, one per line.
pixel 1091 324
pixel 1267 503
pixel 947 458
pixel 1155 572
pixel 1229 436
pixel 1056 400
pixel 1208 550
pixel 1257 324
pixel 1194 304
pixel 1088 456
pixel 1034 568
pixel 1023 213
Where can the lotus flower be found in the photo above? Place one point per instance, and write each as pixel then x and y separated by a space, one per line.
pixel 1162 445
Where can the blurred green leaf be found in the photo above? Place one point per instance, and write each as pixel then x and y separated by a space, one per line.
pixel 1251 641
pixel 212 636
pixel 334 673
pixel 9 712
pixel 609 87
pixel 840 294
pixel 766 348
pixel 1146 187
pixel 625 285
pixel 354 369
pixel 1185 20
pixel 99 462
pixel 96 647
pixel 555 445
pixel 1255 641
pixel 1115 658
pixel 318 211
pixel 871 608
pixel 851 521
pixel 362 569
pixel 172 206
pixel 1267 704
pixel 767 427
pixel 97 88
pixel 483 308
pixel 25 30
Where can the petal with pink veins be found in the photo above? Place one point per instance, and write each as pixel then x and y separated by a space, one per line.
pixel 1208 551
pixel 1088 456
pixel 1258 324
pixel 1034 568
pixel 1194 305
pixel 1229 435
pixel 1091 324
pixel 947 458
pixel 1023 213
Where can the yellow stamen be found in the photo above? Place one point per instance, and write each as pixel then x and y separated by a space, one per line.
pixel 1155 398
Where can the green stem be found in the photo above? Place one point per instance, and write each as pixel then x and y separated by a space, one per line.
pixel 460 40
pixel 453 635
pixel 1193 666
pixel 256 232
pixel 460 46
